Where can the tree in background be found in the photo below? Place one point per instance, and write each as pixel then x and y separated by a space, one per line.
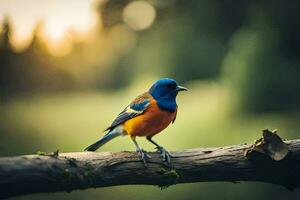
pixel 253 45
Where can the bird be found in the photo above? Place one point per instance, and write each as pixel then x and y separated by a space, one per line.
pixel 146 116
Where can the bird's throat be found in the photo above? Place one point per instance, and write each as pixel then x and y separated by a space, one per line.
pixel 167 105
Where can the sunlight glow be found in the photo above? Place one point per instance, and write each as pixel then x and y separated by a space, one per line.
pixel 58 18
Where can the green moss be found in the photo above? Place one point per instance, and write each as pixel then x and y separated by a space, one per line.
pixel 169 173
pixel 41 153
pixel 52 154
pixel 171 176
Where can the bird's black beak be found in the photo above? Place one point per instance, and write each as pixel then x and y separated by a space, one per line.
pixel 180 88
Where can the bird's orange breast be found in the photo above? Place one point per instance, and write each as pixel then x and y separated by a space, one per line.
pixel 151 122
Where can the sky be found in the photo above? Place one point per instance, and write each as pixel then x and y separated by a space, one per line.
pixel 58 17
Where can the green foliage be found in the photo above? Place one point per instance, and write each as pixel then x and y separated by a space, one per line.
pixel 262 80
pixel 254 46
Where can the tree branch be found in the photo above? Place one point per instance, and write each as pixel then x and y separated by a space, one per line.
pixel 69 171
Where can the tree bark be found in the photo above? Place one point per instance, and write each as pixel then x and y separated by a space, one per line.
pixel 69 171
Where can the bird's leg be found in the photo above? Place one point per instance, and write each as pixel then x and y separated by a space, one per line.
pixel 166 156
pixel 144 154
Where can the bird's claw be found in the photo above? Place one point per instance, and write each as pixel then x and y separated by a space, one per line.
pixel 144 156
pixel 166 156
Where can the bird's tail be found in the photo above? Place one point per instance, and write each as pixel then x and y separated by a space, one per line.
pixel 106 138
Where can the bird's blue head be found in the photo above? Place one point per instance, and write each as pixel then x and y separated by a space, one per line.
pixel 164 91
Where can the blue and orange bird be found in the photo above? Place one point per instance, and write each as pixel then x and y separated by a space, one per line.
pixel 147 115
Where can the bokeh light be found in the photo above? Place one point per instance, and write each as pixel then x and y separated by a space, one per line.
pixel 139 15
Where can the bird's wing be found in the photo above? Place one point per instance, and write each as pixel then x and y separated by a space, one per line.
pixel 137 107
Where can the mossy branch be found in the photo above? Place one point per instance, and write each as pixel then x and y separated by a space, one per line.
pixel 70 171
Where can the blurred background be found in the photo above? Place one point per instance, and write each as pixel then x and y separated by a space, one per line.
pixel 68 67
